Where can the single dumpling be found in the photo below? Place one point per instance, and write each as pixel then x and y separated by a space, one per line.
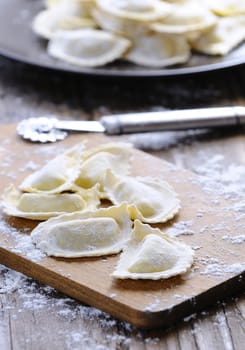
pixel 96 233
pixel 158 50
pixel 41 206
pixel 150 200
pixel 225 36
pixel 140 10
pixel 121 26
pixel 87 47
pixel 227 7
pixel 152 254
pixel 73 23
pixel 114 156
pixel 57 175
pixel 65 14
pixel 46 23
pixel 188 16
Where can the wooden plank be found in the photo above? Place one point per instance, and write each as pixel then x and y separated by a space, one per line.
pixel 143 303
pixel 235 316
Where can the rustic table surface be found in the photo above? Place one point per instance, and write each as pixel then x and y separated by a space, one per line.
pixel 34 316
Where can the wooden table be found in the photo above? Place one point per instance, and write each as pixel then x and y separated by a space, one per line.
pixel 33 316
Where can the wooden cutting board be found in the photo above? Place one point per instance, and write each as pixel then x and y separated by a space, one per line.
pixel 211 223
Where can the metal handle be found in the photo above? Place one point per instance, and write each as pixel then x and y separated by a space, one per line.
pixel 174 120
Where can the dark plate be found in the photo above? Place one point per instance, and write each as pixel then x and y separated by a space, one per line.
pixel 17 41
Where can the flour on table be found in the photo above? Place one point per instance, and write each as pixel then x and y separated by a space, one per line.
pixel 39 298
pixel 227 181
pixel 30 166
pixel 220 270
pixel 23 244
pixel 181 228
pixel 234 239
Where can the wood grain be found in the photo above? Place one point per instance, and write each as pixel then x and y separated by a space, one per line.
pixel 142 303
pixel 26 92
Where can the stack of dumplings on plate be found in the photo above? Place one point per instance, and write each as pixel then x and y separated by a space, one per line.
pixel 150 33
pixel 91 205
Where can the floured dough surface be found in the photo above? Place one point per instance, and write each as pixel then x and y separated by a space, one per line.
pixel 150 200
pixel 41 206
pixel 96 233
pixel 111 156
pixel 58 174
pixel 151 254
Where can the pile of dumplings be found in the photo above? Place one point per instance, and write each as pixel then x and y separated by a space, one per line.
pixel 69 193
pixel 151 33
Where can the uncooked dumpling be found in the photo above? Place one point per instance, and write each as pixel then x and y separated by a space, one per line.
pixel 140 10
pixel 150 200
pixel 65 14
pixel 151 254
pixel 158 50
pixel 58 174
pixel 96 233
pixel 227 7
pixel 41 206
pixel 47 22
pixel 122 26
pixel 87 47
pixel 186 17
pixel 225 36
pixel 114 156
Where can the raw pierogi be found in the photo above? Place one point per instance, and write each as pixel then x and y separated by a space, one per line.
pixel 151 254
pixel 150 200
pixel 140 10
pixel 113 156
pixel 41 206
pixel 87 47
pixel 58 174
pixel 95 233
pixel 220 40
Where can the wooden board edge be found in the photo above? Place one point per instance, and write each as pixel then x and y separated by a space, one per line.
pixel 143 319
pixel 187 309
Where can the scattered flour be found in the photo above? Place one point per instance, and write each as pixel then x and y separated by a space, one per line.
pixel 31 166
pixel 216 177
pixel 220 178
pixel 234 239
pixel 40 298
pixel 220 270
pixel 181 228
pixel 23 244
pixel 154 305
pixel 10 280
pixel 155 141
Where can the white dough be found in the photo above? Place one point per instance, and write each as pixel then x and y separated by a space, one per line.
pixel 151 254
pixel 41 206
pixel 150 200
pixel 96 233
